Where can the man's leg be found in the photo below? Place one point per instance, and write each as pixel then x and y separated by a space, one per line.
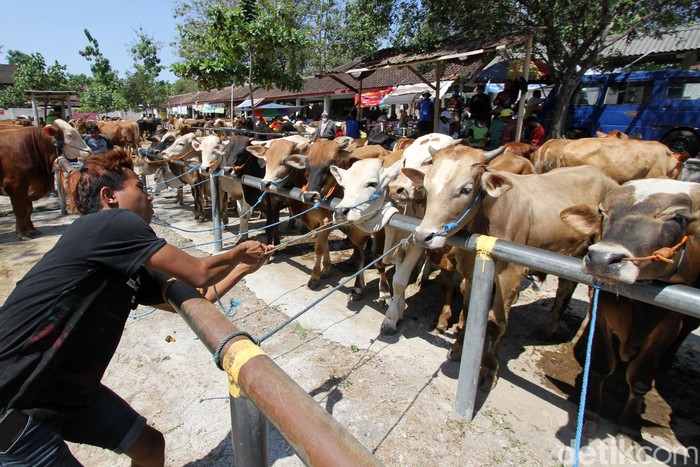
pixel 110 423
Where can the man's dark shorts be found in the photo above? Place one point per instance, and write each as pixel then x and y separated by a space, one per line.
pixel 108 422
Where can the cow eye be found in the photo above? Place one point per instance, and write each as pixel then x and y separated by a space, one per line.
pixel 466 190
pixel 371 184
pixel 681 219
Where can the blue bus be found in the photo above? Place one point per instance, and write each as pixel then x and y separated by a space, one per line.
pixel 653 105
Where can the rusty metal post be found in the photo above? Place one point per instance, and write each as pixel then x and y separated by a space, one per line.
pixel 311 432
pixel 473 347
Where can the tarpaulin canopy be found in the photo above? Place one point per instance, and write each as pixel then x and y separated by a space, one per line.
pixel 408 93
pixel 245 105
pixel 372 98
pixel 274 110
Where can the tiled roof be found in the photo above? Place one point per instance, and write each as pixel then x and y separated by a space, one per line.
pixel 679 40
pixel 6 74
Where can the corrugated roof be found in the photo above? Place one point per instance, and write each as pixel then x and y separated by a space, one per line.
pixel 679 40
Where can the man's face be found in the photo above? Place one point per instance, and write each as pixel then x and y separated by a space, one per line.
pixel 95 133
pixel 134 198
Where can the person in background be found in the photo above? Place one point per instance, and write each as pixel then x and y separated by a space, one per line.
pixel 61 325
pixel 477 137
pixel 352 125
pixel 480 104
pixel 444 124
pixel 96 141
pixel 426 114
pixel 276 124
pixel 534 104
pixel 497 126
pixel 533 132
pixel 326 128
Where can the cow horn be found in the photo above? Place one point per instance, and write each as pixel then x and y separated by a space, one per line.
pixel 489 155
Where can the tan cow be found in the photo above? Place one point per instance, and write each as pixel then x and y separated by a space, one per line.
pixel 524 209
pixel 623 159
pixel 641 238
pixel 122 133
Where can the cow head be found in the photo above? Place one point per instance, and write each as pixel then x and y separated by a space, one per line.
pixel 213 152
pixel 281 159
pixel 323 154
pixel 67 139
pixel 181 147
pixel 364 187
pixel 634 223
pixel 455 182
pixel 237 157
pixel 417 155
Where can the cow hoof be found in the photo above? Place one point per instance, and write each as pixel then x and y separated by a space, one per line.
pixel 630 448
pixel 313 284
pixel 388 328
pixel 383 301
pixel 24 237
pixel 355 296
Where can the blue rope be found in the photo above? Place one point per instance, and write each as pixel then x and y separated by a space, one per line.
pixel 584 383
pixel 164 182
pixel 142 314
pixel 403 243
pixel 450 226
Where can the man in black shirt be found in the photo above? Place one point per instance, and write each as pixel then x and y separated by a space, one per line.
pixel 61 325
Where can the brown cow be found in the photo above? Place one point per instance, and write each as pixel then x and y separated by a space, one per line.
pixel 518 208
pixel 623 159
pixel 27 156
pixel 642 220
pixel 122 133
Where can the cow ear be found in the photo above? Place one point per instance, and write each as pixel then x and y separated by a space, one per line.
pixel 303 148
pixel 495 184
pixel 257 151
pixel 296 161
pixel 50 130
pixel 195 145
pixel 600 134
pixel 583 218
pixel 415 175
pixel 338 173
pixel 343 141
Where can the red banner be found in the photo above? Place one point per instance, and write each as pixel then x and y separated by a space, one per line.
pixel 373 98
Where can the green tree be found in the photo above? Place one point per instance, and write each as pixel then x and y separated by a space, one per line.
pixel 570 36
pixel 32 73
pixel 104 91
pixel 241 45
pixel 141 88
pixel 182 86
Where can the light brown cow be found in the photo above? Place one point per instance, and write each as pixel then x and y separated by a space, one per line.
pixel 519 208
pixel 122 133
pixel 641 238
pixel 623 159
pixel 546 158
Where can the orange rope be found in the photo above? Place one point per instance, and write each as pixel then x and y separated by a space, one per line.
pixel 662 254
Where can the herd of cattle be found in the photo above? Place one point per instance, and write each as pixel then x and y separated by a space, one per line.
pixel 613 201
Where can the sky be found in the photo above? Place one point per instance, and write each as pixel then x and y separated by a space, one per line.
pixel 55 29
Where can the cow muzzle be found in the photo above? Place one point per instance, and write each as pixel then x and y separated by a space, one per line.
pixel 311 196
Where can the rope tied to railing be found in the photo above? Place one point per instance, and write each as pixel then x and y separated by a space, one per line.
pixel 662 254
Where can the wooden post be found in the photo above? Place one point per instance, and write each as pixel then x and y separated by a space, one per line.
pixel 521 104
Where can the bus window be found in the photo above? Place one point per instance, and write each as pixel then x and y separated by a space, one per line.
pixel 629 93
pixel 683 89
pixel 587 95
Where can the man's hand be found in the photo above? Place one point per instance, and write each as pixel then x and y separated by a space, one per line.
pixel 254 253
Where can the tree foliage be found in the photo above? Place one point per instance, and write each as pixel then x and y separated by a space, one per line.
pixel 32 74
pixel 239 45
pixel 104 91
pixel 141 88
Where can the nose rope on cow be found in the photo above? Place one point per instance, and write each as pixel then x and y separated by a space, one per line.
pixel 662 254
pixel 450 226
pixel 402 243
pixel 586 371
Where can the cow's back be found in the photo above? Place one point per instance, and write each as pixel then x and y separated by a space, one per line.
pixel 27 153
pixel 528 213
pixel 622 159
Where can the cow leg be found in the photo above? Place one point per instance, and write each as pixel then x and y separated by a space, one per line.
pixel 272 216
pixel 552 325
pixel 465 265
pixel 244 211
pixel 359 286
pixel 402 275
pixel 448 286
pixel 22 208
pixel 323 263
pixel 223 207
pixel 641 371
pixel 180 197
pixel 508 278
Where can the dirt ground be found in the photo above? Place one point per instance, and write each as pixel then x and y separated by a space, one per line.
pixel 395 394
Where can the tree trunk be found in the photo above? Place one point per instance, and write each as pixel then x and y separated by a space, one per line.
pixel 250 86
pixel 567 88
